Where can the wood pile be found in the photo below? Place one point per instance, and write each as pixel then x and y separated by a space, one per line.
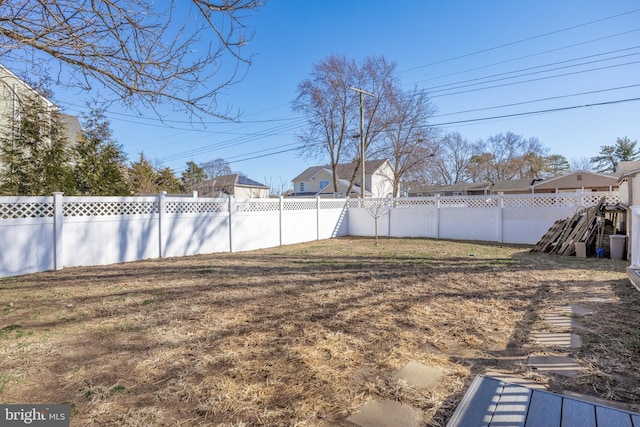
pixel 582 227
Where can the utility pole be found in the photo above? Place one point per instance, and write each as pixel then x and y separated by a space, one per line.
pixel 362 93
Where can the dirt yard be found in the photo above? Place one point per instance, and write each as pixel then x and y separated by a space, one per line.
pixel 305 334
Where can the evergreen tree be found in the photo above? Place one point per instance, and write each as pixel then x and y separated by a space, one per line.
pixel 166 181
pixel 34 152
pixel 557 164
pixel 194 174
pixel 99 169
pixel 142 176
pixel 610 155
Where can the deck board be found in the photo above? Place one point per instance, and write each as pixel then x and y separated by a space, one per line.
pixel 608 417
pixel 512 407
pixel 491 402
pixel 576 413
pixel 544 409
pixel 478 404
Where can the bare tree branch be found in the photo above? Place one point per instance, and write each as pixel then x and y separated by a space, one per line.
pixel 180 55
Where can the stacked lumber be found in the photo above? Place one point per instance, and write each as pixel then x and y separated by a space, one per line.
pixel 582 227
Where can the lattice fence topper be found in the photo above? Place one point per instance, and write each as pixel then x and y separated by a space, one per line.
pixel 20 210
pixel 332 204
pixel 375 203
pixel 469 202
pixel 264 205
pixel 592 199
pixel 299 205
pixel 559 200
pixel 414 203
pixel 110 208
pixel 196 207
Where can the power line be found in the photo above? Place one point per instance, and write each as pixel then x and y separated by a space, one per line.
pixel 546 111
pixel 551 98
pixel 520 41
pixel 231 143
pixel 550 110
pixel 431 89
pixel 527 56
pixel 537 79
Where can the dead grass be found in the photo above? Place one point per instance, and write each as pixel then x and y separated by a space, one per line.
pixel 302 335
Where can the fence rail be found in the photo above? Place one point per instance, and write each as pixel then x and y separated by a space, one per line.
pixel 45 233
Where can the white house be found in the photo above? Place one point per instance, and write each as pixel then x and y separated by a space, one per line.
pixel 318 180
pixel 14 92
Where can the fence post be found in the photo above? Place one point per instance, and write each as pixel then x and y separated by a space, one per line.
pixel 500 217
pixel 230 207
pixel 58 228
pixel 280 219
pixel 317 217
pixel 389 206
pixel 437 216
pixel 162 202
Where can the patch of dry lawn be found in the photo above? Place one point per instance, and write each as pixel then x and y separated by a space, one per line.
pixel 301 334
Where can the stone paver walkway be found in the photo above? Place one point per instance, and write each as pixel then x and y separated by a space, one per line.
pixel 559 332
pixel 385 413
pixel 388 413
pixel 561 323
pixel 563 365
pixel 420 376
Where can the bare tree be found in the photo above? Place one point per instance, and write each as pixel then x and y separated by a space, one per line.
pixel 377 75
pixel 215 168
pixel 333 113
pixel 451 161
pixel 326 100
pixel 409 140
pixel 279 189
pixel 145 54
pixel 581 164
pixel 505 156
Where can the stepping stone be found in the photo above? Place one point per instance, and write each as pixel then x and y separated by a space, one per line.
pixel 599 299
pixel 579 310
pixel 420 376
pixel 560 321
pixel 571 310
pixel 558 365
pixel 385 413
pixel 558 339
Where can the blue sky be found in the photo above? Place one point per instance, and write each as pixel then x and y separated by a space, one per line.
pixel 437 46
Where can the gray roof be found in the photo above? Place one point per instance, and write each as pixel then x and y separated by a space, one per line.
pixel 514 184
pixel 225 182
pixel 344 170
pixel 466 186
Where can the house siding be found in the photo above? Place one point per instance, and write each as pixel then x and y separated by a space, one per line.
pixel 378 184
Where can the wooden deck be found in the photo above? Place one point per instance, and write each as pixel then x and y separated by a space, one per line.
pixel 491 402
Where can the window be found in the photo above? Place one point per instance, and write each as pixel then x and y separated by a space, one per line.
pixel 323 183
pixel 579 176
pixel 302 187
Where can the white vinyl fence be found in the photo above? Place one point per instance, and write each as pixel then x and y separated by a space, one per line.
pixel 46 233
pixel 517 218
